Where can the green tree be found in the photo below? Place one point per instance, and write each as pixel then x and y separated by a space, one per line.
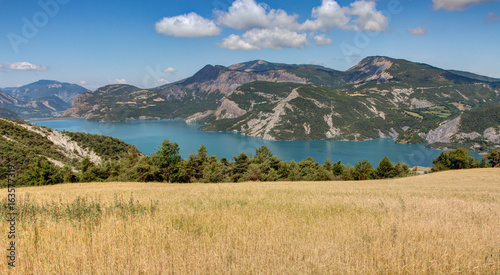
pixel 42 172
pixel 166 158
pixel 180 172
pixel 402 169
pixel 145 171
pixel 385 169
pixel 456 159
pixel 239 166
pixel 197 162
pixel 460 159
pixel 262 154
pixel 363 170
pixel 493 159
pixel 215 171
pixel 337 169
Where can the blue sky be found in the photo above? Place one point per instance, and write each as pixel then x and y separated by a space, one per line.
pixel 151 42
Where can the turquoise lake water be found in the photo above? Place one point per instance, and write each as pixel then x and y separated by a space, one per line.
pixel 148 135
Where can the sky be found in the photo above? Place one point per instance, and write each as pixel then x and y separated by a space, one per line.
pixel 148 43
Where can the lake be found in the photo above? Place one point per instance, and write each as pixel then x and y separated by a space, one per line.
pixel 148 135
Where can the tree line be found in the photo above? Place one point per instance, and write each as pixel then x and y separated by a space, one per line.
pixel 166 165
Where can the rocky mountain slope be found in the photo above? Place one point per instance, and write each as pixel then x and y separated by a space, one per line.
pixel 24 145
pixel 379 97
pixel 44 98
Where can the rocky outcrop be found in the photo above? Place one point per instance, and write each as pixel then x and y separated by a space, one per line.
pixel 492 134
pixel 374 68
pixel 264 126
pixel 444 132
pixel 228 109
pixel 80 107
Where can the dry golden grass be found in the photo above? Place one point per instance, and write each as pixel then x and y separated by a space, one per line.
pixel 442 223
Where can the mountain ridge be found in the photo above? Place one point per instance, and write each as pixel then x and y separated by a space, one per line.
pixel 40 99
pixel 378 97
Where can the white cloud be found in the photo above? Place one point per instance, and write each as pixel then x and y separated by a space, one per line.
pixel 417 31
pixel 369 19
pixel 247 15
pixel 187 25
pixel 457 4
pixel 327 16
pixel 235 42
pixel 118 81
pixel 360 16
pixel 275 28
pixel 322 40
pixel 169 70
pixel 257 39
pixel 83 82
pixel 22 66
pixel 162 81
pixel 319 63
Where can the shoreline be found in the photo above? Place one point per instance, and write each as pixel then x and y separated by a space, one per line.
pixel 52 118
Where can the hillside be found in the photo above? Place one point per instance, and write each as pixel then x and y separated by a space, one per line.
pixel 8 114
pixel 34 150
pixel 379 97
pixel 41 99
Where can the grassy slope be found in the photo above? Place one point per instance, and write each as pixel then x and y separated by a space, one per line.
pixel 439 223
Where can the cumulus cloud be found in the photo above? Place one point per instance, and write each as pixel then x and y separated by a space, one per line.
pixel 82 82
pixel 257 39
pixel 118 81
pixel 247 15
pixel 369 18
pixel 187 25
pixel 169 70
pixel 417 31
pixel 359 16
pixel 274 28
pixel 322 40
pixel 22 66
pixel 457 4
pixel 327 16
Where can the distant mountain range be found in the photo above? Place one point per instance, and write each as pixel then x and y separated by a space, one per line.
pixel 379 97
pixel 41 99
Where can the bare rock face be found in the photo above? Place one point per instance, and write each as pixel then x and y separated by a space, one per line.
pixel 80 107
pixel 492 134
pixel 444 132
pixel 228 109
pixel 372 69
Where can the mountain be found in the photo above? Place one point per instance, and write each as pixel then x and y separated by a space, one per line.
pixel 475 76
pixel 6 99
pixel 8 114
pixel 44 98
pixel 379 97
pixel 48 88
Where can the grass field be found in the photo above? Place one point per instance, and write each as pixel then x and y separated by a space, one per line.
pixel 441 223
